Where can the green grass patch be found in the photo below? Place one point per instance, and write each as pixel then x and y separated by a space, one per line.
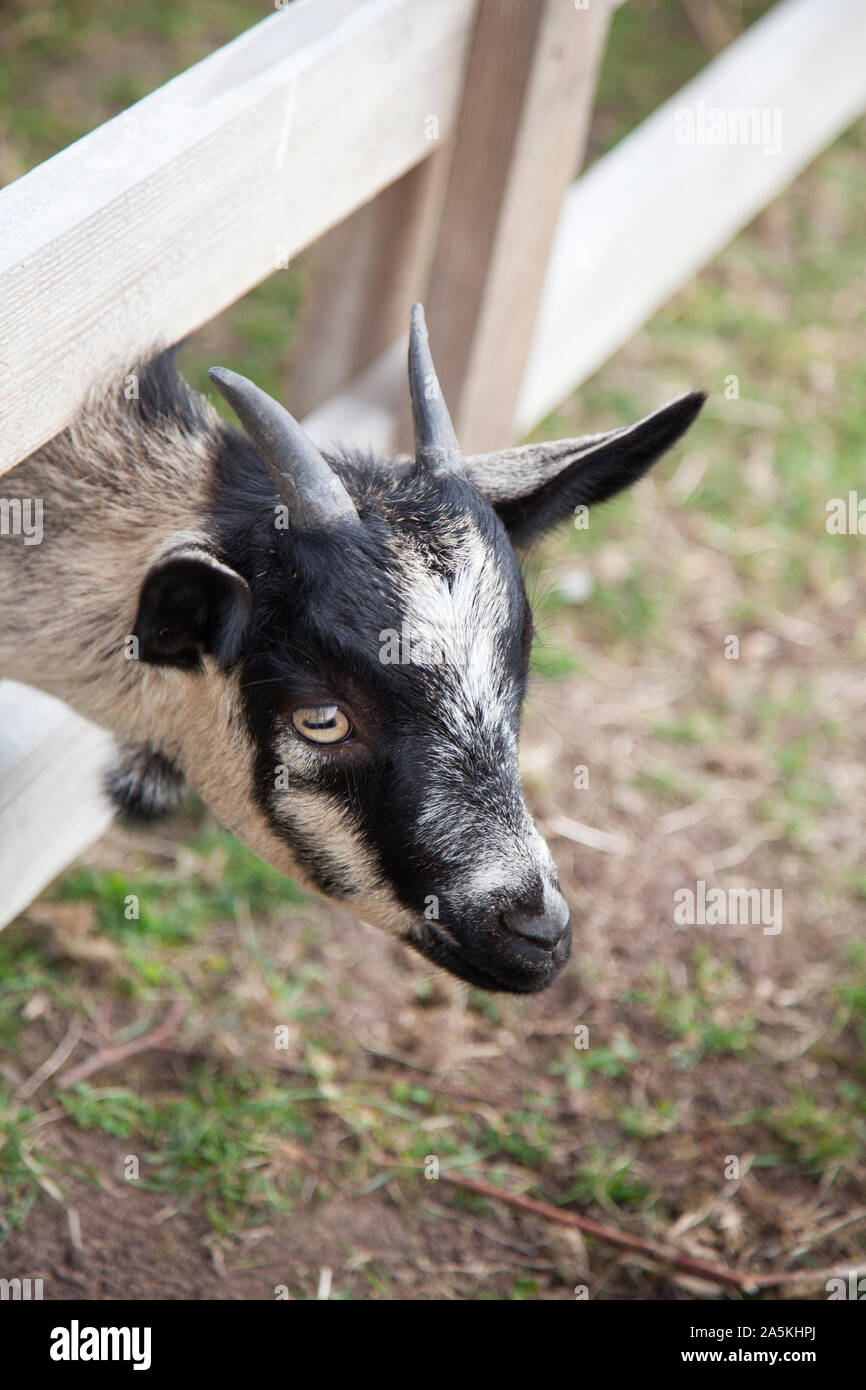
pixel 229 1141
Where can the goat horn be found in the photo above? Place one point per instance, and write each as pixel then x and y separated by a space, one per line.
pixel 435 441
pixel 305 482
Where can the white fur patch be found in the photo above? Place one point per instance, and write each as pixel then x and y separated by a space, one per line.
pixel 468 620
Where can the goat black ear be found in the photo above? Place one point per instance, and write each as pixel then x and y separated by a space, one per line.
pixel 535 486
pixel 191 604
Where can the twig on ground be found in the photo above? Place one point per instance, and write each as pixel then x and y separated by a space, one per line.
pixel 380 1078
pixel 54 1062
pixel 743 1280
pixel 110 1056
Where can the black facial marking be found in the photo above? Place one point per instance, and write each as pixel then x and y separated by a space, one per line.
pixel 319 605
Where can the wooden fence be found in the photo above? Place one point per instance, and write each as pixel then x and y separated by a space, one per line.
pixel 423 151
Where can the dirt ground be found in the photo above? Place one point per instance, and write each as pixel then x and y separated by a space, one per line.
pixel 130 1246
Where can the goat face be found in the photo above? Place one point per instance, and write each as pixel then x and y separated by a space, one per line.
pixel 387 693
pixel 380 648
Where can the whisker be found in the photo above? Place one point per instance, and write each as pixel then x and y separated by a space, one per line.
pixel 268 680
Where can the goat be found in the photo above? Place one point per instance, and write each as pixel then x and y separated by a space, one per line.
pixel 332 649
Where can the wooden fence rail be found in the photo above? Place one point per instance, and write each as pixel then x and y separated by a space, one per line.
pixel 653 211
pixel 158 220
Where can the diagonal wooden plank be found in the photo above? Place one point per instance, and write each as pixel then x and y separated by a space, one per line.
pixel 159 219
pixel 52 805
pixel 645 218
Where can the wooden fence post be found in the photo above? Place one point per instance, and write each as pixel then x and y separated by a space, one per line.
pixel 520 137
pixel 362 278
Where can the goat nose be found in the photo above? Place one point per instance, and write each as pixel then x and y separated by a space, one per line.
pixel 545 929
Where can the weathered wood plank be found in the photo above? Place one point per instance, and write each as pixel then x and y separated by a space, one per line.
pixel 368 411
pixel 520 136
pixel 52 805
pixel 361 280
pixel 159 219
pixel 652 212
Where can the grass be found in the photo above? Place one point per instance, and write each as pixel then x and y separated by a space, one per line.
pixel 70 66
pixel 24 1173
pixel 815 1137
pixel 227 1141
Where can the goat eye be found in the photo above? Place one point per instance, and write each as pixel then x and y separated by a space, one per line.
pixel 321 724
